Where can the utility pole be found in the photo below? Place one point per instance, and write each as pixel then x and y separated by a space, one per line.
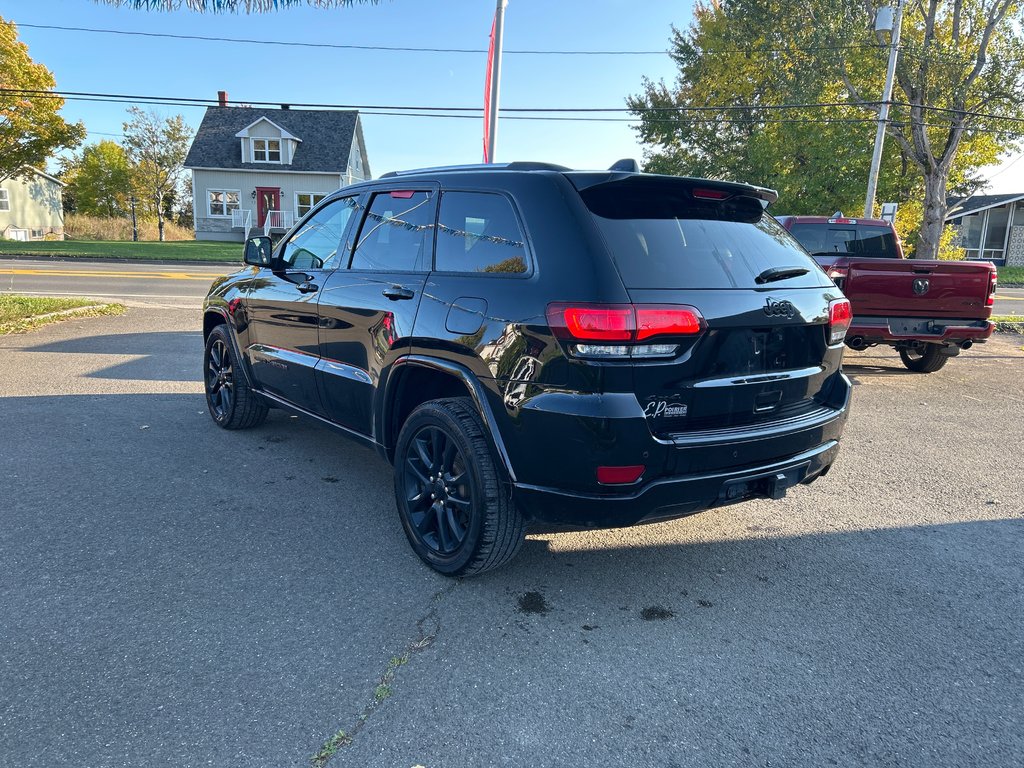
pixel 135 223
pixel 883 113
pixel 492 128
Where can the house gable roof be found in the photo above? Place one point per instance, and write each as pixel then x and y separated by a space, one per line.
pixel 37 172
pixel 326 138
pixel 284 132
pixel 962 206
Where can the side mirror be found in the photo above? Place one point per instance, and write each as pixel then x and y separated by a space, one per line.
pixel 258 251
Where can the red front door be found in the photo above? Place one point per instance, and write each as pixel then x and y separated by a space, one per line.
pixel 267 199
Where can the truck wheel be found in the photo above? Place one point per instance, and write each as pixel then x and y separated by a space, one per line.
pixel 928 361
pixel 232 404
pixel 449 491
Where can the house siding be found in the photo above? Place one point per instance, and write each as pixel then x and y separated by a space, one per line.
pixel 36 203
pixel 246 182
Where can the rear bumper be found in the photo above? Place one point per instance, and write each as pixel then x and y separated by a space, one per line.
pixel 892 330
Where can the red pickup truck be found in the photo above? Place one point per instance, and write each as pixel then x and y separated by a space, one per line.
pixel 927 310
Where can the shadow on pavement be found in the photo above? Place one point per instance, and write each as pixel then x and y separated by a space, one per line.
pixel 178 356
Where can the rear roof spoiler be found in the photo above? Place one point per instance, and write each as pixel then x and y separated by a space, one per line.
pixel 584 180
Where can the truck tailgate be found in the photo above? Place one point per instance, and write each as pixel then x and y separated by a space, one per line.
pixel 913 288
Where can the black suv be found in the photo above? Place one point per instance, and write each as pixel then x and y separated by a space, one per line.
pixel 532 345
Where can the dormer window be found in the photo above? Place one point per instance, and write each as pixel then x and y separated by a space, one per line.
pixel 266 150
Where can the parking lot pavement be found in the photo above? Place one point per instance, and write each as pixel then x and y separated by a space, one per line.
pixel 176 595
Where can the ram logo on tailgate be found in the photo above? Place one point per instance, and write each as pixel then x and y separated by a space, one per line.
pixel 776 308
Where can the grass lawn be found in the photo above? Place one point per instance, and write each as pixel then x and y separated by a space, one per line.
pixel 22 313
pixel 178 250
pixel 1009 323
pixel 1008 275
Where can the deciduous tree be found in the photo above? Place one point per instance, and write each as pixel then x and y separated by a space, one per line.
pixel 31 128
pixel 100 179
pixel 157 147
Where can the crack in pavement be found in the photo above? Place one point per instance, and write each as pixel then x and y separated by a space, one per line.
pixel 427 628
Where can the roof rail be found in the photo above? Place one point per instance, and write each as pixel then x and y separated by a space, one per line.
pixel 519 165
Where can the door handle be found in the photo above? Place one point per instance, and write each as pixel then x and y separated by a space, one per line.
pixel 307 287
pixel 397 292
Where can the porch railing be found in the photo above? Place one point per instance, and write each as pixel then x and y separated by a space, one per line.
pixel 278 220
pixel 241 218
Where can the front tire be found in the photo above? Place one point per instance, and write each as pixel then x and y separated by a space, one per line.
pixel 450 496
pixel 230 401
pixel 927 361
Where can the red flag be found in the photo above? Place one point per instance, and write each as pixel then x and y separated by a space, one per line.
pixel 487 93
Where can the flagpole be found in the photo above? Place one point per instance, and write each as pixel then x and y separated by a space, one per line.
pixel 492 127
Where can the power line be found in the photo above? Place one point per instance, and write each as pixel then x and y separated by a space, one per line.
pixel 339 46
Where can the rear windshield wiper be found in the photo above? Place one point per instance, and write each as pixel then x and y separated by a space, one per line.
pixel 772 274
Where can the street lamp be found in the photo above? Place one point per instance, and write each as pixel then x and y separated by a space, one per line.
pixel 884 22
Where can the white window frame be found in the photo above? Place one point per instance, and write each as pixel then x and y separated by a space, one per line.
pixel 5 200
pixel 313 204
pixel 266 151
pixel 227 211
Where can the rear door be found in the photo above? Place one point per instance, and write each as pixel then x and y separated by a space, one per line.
pixel 367 310
pixel 764 353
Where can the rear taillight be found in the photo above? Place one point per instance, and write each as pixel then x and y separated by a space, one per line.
pixel 614 330
pixel 840 317
pixel 991 300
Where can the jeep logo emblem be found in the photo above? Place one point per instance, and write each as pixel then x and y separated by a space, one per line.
pixel 775 308
pixel 920 286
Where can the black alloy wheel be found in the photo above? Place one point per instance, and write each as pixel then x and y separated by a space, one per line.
pixel 438 491
pixel 452 499
pixel 220 384
pixel 232 404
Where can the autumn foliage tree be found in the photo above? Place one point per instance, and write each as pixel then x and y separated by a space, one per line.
pixel 100 179
pixel 31 128
pixel 749 69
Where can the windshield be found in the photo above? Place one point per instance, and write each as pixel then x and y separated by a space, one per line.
pixel 663 238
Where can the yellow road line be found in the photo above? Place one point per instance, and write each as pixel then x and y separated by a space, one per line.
pixel 1009 298
pixel 129 275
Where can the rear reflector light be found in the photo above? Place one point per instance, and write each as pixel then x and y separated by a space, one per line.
pixel 711 194
pixel 991 300
pixel 619 475
pixel 840 317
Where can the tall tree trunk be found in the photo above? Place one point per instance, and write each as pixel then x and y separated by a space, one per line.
pixel 934 217
pixel 159 219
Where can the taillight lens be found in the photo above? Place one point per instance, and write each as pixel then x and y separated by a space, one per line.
pixel 991 300
pixel 840 317
pixel 596 325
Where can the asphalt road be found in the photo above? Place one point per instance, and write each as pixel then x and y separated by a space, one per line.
pixel 175 595
pixel 185 285
pixel 165 284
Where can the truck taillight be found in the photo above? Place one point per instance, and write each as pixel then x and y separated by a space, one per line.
pixel 840 317
pixel 612 331
pixel 991 300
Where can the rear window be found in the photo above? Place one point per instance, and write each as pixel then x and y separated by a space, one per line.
pixel 862 240
pixel 660 237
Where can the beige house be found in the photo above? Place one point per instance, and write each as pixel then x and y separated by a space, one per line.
pixel 31 206
pixel 261 170
pixel 991 227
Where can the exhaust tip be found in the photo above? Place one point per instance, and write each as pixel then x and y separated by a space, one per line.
pixel 857 344
pixel 966 344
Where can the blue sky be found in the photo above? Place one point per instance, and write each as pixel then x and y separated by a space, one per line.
pixel 97 62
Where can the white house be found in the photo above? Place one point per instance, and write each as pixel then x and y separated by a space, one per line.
pixel 31 206
pixel 262 169
pixel 991 227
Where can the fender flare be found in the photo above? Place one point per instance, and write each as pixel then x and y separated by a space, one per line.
pixel 233 338
pixel 476 392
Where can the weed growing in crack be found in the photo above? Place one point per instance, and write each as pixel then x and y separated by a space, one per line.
pixel 332 745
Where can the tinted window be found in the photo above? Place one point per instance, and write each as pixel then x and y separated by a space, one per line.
pixel 315 244
pixel 660 237
pixel 397 233
pixel 478 232
pixel 860 240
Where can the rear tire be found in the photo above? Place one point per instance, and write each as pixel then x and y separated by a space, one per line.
pixel 928 361
pixel 231 403
pixel 449 491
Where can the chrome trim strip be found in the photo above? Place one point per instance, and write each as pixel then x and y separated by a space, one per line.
pixel 268 353
pixel 817 418
pixel 761 378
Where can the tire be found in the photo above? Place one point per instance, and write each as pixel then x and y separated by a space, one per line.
pixel 469 525
pixel 928 361
pixel 231 403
